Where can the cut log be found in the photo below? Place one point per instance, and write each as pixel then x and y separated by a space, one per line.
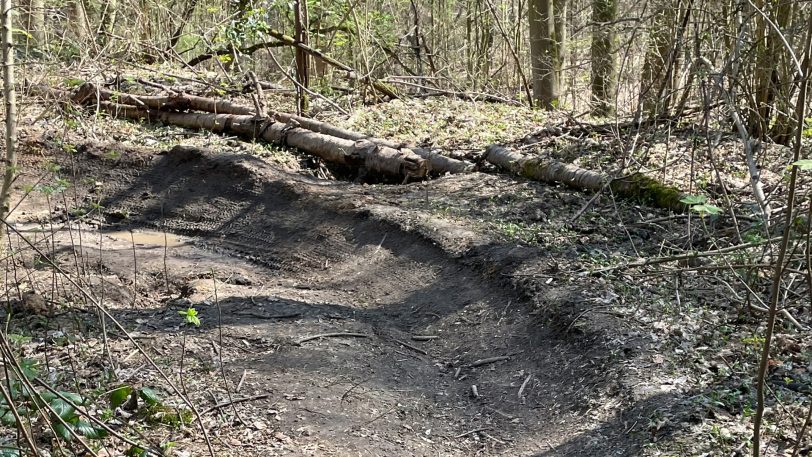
pixel 636 186
pixel 90 93
pixel 375 158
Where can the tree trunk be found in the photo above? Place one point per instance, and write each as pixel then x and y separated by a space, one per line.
pixel 184 20
pixel 772 76
pixel 33 22
pixel 546 51
pixel 301 25
pixel 9 96
pixel 604 70
pixel 561 35
pixel 108 20
pixel 362 153
pixel 656 88
pixel 79 21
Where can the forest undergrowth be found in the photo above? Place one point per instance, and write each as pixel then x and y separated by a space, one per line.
pixel 218 301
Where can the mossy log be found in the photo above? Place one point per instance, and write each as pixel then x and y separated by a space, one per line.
pixel 90 93
pixel 636 186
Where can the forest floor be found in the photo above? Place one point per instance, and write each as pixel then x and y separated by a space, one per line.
pixel 458 316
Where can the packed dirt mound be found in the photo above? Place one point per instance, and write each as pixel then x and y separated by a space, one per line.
pixel 347 333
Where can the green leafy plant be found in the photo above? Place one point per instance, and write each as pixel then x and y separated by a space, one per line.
pixel 699 204
pixel 60 405
pixel 190 315
pixel 804 164
pixel 807 132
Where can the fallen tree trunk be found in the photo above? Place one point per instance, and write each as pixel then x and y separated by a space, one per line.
pixel 90 93
pixel 345 147
pixel 636 186
pixel 376 158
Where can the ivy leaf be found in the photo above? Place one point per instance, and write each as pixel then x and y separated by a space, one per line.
pixel 7 418
pixel 73 82
pixel 62 431
pixel 136 451
pixel 9 452
pixel 88 430
pixel 75 398
pixel 63 409
pixel 29 368
pixel 149 396
pixel 18 339
pixel 119 396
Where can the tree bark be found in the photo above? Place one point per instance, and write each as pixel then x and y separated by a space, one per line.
pixel 79 21
pixel 9 96
pixel 375 158
pixel 604 37
pixel 636 186
pixel 546 50
pixel 772 76
pixel 656 89
pixel 90 93
pixel 301 25
pixel 108 20
pixel 33 22
pixel 184 19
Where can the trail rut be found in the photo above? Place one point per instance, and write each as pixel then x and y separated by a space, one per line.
pixel 293 257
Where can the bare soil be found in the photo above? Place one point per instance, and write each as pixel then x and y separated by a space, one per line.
pixel 464 343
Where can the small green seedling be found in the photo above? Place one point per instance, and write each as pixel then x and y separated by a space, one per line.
pixel 190 315
pixel 699 204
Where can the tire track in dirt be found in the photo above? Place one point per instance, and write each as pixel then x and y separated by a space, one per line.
pixel 309 254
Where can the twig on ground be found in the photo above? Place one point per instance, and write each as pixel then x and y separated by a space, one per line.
pixel 272 316
pixel 471 432
pixel 493 438
pixel 332 335
pixel 383 414
pixel 344 396
pixel 524 384
pixel 242 380
pixel 582 314
pixel 684 256
pixel 234 402
pixel 499 413
pixel 481 362
pixel 409 346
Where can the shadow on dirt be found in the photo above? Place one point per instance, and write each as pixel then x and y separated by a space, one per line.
pixel 495 365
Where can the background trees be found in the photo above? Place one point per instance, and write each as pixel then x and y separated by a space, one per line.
pixel 653 56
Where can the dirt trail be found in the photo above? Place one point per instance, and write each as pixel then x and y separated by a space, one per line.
pixel 293 258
